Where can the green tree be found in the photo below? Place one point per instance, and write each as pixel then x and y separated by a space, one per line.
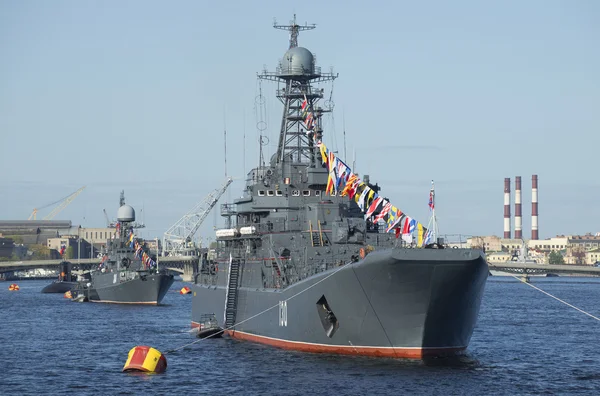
pixel 555 258
pixel 17 239
pixel 39 251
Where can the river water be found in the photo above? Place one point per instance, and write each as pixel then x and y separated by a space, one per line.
pixel 525 343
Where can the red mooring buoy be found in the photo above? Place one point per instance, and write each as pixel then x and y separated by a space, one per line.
pixel 185 290
pixel 145 359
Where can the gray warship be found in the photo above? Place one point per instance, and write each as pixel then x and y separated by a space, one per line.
pixel 126 274
pixel 300 269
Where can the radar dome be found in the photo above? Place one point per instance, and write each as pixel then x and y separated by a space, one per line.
pixel 298 60
pixel 126 213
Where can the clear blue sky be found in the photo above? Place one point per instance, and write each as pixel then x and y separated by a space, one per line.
pixel 135 95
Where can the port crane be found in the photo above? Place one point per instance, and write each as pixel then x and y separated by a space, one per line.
pixel 63 203
pixel 179 238
pixel 109 224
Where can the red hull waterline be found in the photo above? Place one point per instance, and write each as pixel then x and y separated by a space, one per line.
pixel 385 352
pixel 125 302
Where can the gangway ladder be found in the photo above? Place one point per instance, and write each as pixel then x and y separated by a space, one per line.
pixel 232 292
pixel 320 233
pixel 316 238
pixel 278 265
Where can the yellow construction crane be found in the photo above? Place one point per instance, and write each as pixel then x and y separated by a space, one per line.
pixel 63 203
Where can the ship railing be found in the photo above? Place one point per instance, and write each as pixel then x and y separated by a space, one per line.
pixel 300 271
pixel 284 69
pixel 228 209
pixel 314 93
pixel 455 240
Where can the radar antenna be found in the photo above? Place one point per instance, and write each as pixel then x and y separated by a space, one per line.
pixel 294 29
pixel 133 224
pixel 179 239
pixel 301 124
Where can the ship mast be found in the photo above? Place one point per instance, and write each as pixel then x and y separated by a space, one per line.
pixel 294 30
pixel 432 226
pixel 297 71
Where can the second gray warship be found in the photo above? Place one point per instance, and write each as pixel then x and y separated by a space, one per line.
pixel 126 274
pixel 300 266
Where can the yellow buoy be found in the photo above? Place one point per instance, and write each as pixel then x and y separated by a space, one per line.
pixel 185 290
pixel 145 359
pixel 13 287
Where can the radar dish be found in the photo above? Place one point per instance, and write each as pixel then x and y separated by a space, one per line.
pixel 297 61
pixel 126 213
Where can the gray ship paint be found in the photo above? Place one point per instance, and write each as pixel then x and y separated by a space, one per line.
pixel 302 270
pixel 121 277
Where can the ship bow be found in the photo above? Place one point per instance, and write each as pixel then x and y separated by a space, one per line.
pixel 425 300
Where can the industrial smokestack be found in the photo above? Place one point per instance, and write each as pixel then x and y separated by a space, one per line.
pixel 518 218
pixel 534 208
pixel 507 208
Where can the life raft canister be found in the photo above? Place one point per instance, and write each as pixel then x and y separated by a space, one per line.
pixel 13 287
pixel 145 359
pixel 362 253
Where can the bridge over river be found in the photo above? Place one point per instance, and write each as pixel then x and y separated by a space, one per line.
pixel 188 265
pixel 526 269
pixel 185 265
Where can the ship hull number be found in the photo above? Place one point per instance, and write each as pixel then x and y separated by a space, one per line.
pixel 283 313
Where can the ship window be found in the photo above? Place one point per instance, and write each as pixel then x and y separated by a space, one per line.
pixel 333 194
pixel 328 318
pixel 306 193
pixel 270 193
pixel 295 193
pixel 318 193
pixel 261 193
pixel 278 193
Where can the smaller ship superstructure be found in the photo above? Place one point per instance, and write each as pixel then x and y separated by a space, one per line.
pixel 126 274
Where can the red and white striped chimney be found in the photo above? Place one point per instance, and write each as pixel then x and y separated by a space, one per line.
pixel 507 208
pixel 518 218
pixel 534 208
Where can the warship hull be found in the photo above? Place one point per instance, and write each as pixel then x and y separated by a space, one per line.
pixel 145 289
pixel 399 303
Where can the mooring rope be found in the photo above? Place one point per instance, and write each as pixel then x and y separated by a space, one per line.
pixel 556 298
pixel 258 314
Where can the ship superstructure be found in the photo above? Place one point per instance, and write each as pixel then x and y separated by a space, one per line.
pixel 301 267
